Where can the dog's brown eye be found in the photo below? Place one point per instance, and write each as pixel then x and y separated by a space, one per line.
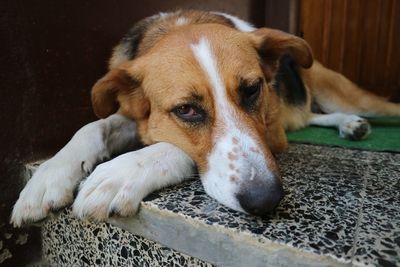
pixel 249 93
pixel 189 113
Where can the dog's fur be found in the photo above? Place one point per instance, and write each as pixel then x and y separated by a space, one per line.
pixel 204 89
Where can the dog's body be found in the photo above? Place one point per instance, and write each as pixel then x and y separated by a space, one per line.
pixel 201 88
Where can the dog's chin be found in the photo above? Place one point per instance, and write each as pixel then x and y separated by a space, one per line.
pixel 224 194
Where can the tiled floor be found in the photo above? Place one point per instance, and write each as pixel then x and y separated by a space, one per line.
pixel 343 205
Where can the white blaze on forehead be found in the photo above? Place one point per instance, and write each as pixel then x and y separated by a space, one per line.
pixel 204 55
pixel 235 157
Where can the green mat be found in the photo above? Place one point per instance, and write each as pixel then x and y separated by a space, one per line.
pixel 385 136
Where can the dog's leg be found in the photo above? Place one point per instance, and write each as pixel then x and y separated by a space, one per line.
pixel 118 186
pixel 352 127
pixel 53 184
pixel 333 92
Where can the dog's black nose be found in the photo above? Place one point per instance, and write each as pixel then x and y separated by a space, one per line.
pixel 259 197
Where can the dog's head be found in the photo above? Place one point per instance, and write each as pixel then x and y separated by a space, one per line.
pixel 205 89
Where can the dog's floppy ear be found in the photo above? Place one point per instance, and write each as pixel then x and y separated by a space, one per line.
pixel 118 88
pixel 272 44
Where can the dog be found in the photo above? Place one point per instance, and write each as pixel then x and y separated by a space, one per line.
pixel 208 93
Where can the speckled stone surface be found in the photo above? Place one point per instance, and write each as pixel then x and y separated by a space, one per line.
pixel 71 242
pixel 342 207
pixel 378 239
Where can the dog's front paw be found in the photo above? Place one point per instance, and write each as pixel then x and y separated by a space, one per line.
pixel 118 186
pixel 354 128
pixel 49 189
pixel 112 189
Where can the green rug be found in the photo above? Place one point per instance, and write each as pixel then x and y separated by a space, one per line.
pixel 385 136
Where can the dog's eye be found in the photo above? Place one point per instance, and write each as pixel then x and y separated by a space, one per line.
pixel 189 113
pixel 249 93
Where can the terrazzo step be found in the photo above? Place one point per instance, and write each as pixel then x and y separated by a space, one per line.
pixel 342 208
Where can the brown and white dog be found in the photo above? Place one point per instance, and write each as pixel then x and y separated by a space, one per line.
pixel 201 89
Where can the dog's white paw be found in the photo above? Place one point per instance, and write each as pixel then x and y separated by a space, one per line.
pixel 114 188
pixel 53 184
pixel 118 186
pixel 50 189
pixel 354 128
pixel 109 190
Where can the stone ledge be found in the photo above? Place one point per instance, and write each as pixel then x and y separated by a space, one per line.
pixel 341 209
pixel 216 244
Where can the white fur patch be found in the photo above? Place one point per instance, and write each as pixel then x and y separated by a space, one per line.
pixel 235 157
pixel 118 186
pixel 241 25
pixel 181 21
pixel 204 55
pixel 163 15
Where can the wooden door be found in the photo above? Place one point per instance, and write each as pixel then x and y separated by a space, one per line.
pixel 359 38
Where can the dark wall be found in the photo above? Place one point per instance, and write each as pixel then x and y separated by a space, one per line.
pixel 52 52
